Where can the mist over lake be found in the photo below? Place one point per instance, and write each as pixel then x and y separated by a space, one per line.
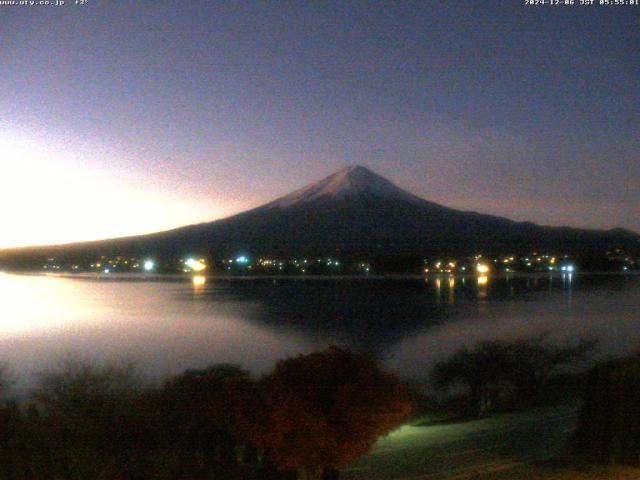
pixel 166 324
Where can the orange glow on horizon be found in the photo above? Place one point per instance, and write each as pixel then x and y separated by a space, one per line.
pixel 53 196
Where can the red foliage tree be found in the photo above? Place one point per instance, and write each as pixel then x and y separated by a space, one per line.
pixel 326 409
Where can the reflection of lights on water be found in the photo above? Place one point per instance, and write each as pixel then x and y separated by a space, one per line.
pixel 483 288
pixel 199 280
pixel 438 283
pixel 452 289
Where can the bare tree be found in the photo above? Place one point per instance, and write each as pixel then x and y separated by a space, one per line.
pixel 498 372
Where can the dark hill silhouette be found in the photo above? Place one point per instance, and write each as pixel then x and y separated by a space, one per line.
pixel 352 212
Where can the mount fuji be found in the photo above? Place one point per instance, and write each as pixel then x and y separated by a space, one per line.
pixel 353 212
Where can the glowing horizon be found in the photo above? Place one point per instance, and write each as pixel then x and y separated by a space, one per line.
pixel 62 200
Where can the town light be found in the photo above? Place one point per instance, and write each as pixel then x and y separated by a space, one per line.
pixel 149 265
pixel 482 268
pixel 195 265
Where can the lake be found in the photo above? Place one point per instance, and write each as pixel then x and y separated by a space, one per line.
pixel 166 324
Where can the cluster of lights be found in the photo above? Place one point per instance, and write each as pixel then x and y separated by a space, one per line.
pixel 482 268
pixel 300 264
pixel 479 264
pixel 193 265
pixel 505 263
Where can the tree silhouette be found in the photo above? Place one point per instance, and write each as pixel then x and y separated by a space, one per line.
pixel 609 426
pixel 533 361
pixel 496 372
pixel 85 419
pixel 198 410
pixel 5 382
pixel 480 370
pixel 326 409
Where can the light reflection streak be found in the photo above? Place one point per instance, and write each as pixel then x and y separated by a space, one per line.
pixel 38 304
pixel 45 319
pixel 483 281
pixel 452 289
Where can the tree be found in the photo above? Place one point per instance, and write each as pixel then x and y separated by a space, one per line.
pixel 197 414
pixel 324 410
pixel 9 424
pixel 502 372
pixel 86 419
pixel 609 425
pixel 534 361
pixel 5 382
pixel 480 370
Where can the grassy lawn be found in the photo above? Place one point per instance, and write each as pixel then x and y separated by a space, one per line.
pixel 429 449
pixel 561 472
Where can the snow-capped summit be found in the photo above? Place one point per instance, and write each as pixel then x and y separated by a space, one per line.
pixel 348 182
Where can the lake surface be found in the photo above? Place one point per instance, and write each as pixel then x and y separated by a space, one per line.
pixel 168 324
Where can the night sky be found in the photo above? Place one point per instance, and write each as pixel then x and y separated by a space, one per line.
pixel 124 117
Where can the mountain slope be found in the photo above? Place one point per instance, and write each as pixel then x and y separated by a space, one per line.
pixel 355 212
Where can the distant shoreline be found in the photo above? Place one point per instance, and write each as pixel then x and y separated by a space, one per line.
pixel 230 276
